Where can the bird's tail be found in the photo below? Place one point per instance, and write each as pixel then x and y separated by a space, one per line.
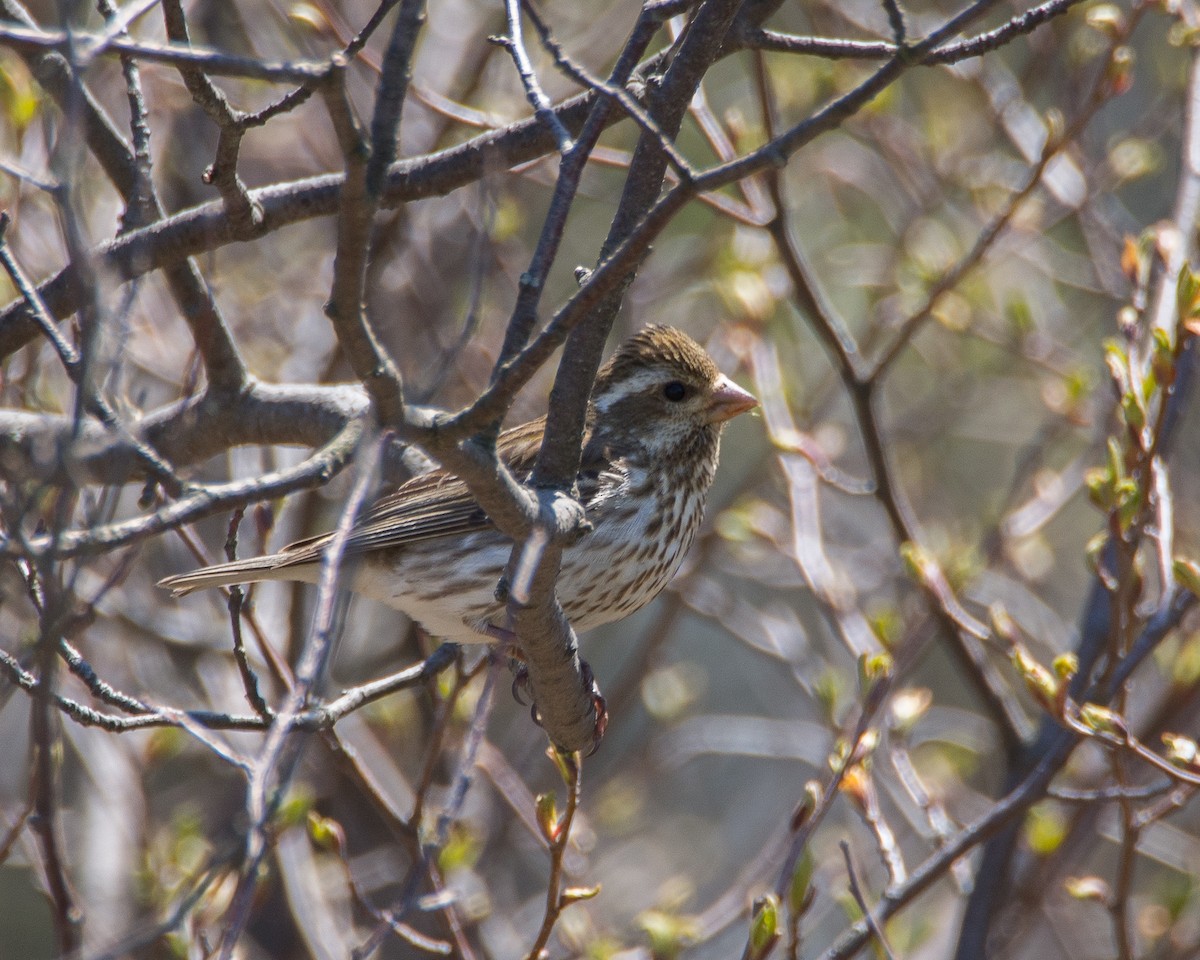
pixel 239 571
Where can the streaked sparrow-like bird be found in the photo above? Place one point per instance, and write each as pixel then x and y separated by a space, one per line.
pixel 650 451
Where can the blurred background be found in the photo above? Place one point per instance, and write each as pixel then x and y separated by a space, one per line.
pixel 729 693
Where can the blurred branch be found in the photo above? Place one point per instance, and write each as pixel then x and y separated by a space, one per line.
pixel 357 205
pixel 140 715
pixel 774 41
pixel 207 227
pixel 181 910
pixel 1119 908
pixel 200 501
pixel 964 632
pixel 1101 92
pixel 244 214
pixel 409 827
pixel 13 834
pixel 1028 790
pixel 85 46
pixel 272 770
pixel 1097 616
pixel 570 171
pixel 45 778
pixel 92 400
pixel 226 372
pixel 451 809
pixel 1110 794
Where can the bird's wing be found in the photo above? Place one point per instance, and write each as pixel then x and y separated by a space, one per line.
pixel 431 505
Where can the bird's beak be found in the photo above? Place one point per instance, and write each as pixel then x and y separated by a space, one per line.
pixel 728 400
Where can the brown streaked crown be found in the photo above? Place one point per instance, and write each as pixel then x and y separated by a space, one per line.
pixel 654 345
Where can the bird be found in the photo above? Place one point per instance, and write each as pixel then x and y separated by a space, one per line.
pixel 651 443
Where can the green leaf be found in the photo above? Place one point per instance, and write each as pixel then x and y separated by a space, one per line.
pixel 798 891
pixel 1187 573
pixel 764 925
pixel 547 816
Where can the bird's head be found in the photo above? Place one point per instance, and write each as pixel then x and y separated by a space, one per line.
pixel 661 389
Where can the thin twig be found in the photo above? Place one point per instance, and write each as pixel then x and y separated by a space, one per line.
pixel 514 43
pixel 556 901
pixel 856 892
pixel 236 596
pixel 178 55
pixel 613 90
pixel 275 763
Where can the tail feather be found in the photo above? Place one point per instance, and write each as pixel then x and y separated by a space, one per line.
pixel 251 570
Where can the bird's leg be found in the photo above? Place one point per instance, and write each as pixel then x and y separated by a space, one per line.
pixel 506 638
pixel 507 641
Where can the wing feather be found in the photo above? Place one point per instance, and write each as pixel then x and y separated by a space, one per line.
pixel 429 506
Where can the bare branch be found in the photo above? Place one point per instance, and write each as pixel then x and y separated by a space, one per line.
pixel 514 43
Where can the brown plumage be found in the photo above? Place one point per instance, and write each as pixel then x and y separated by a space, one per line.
pixel 650 452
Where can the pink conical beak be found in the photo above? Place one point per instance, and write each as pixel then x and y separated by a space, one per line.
pixel 728 400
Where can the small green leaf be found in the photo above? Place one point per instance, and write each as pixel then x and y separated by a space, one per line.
pixel 1116 358
pixel 1045 828
pixel 576 894
pixel 798 891
pixel 1187 292
pixel 324 832
pixel 461 851
pixel 764 925
pixel 1100 482
pixel 1038 680
pixel 1181 751
pixel 1187 573
pixel 547 816
pixel 873 668
pixel 667 932
pixel 1132 411
pixel 294 809
pixel 564 763
pixel 1065 666
pixel 1101 719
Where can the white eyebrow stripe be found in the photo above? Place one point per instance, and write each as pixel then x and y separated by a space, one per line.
pixel 638 383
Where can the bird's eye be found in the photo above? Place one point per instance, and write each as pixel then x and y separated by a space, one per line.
pixel 675 391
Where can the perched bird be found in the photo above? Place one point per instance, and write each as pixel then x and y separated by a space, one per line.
pixel 650 451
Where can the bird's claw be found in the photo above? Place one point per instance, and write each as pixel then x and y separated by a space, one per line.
pixel 599 705
pixel 521 685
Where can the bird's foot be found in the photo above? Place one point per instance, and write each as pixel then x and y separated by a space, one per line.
pixel 522 686
pixel 506 643
pixel 521 683
pixel 599 705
